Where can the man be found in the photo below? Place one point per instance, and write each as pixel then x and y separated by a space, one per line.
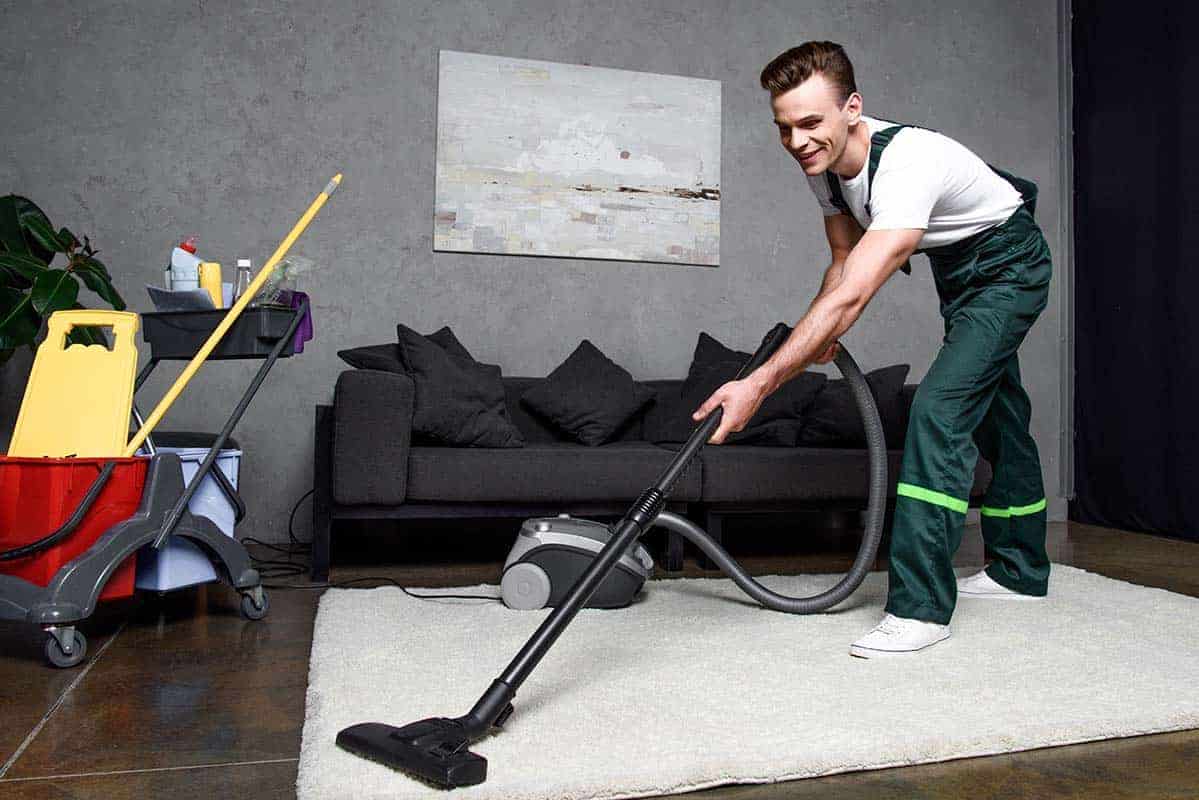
pixel 888 191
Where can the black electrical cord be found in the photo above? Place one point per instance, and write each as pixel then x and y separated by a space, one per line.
pixel 280 568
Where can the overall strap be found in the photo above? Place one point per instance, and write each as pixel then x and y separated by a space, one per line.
pixel 1026 188
pixel 835 194
pixel 878 143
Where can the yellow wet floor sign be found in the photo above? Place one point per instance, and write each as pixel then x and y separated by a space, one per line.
pixel 79 398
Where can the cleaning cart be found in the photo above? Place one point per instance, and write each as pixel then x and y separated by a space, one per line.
pixel 77 502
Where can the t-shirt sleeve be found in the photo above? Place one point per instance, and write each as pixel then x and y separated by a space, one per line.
pixel 820 189
pixel 907 185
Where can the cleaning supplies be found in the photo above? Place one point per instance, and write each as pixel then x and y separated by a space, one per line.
pixel 242 279
pixel 210 281
pixel 227 322
pixel 185 266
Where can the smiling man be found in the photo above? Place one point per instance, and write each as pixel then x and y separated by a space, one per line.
pixel 888 191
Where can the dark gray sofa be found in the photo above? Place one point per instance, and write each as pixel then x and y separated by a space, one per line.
pixel 367 467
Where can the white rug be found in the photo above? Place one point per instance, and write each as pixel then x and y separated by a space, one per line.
pixel 695 686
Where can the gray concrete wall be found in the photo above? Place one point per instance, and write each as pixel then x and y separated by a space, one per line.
pixel 138 122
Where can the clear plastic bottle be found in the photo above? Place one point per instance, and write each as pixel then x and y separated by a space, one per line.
pixel 285 280
pixel 241 282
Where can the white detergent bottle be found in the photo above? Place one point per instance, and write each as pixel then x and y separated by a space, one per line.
pixel 185 266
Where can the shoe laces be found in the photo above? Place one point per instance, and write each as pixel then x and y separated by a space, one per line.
pixel 890 625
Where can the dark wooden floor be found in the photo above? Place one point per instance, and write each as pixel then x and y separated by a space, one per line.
pixel 182 698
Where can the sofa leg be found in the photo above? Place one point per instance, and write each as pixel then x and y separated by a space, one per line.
pixel 322 480
pixel 674 552
pixel 321 546
pixel 714 525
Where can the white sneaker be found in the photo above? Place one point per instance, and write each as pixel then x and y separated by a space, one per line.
pixel 896 636
pixel 983 585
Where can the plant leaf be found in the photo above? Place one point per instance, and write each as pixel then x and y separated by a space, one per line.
pixel 54 289
pixel 68 239
pixel 41 231
pixel 26 266
pixel 19 323
pixel 90 262
pixel 10 227
pixel 102 286
pixel 28 210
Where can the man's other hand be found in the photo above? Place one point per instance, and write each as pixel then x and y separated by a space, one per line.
pixel 740 400
pixel 829 354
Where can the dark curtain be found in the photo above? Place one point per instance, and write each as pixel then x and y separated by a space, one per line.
pixel 1136 251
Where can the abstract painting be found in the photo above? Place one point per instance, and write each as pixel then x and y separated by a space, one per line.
pixel 538 158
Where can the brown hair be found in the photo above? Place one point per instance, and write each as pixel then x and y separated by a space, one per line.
pixel 795 66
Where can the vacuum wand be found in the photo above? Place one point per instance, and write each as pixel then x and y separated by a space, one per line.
pixel 771 342
pixel 436 749
pixel 635 522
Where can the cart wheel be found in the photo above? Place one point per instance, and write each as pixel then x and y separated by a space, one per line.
pixel 60 659
pixel 251 610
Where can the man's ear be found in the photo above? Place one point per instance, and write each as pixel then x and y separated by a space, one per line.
pixel 853 107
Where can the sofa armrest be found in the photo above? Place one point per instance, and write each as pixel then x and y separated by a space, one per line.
pixel 372 434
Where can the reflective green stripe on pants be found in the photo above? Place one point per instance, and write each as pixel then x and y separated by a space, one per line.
pixel 971 401
pixel 1014 511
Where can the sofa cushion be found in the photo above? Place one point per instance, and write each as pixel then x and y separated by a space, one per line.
pixel 544 472
pixel 588 397
pixel 833 418
pixel 458 400
pixel 749 474
pixel 386 357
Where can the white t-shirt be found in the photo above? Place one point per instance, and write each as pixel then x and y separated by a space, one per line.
pixel 924 180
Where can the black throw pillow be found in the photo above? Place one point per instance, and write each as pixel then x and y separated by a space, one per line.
pixel 447 341
pixel 709 351
pixel 833 418
pixel 458 400
pixel 670 418
pixel 789 401
pixel 386 357
pixel 375 356
pixel 776 433
pixel 588 397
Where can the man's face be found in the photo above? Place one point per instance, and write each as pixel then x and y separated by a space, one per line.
pixel 813 125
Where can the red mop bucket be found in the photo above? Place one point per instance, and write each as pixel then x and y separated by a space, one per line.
pixel 37 495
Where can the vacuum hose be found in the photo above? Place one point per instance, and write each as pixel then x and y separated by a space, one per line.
pixel 875 510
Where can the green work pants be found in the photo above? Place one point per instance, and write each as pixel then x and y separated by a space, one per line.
pixel 992 287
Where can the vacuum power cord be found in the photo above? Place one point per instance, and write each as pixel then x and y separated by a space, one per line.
pixel 287 566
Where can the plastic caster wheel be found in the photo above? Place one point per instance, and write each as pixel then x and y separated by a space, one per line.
pixel 62 660
pixel 251 610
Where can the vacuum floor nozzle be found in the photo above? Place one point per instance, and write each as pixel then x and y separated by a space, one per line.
pixel 434 750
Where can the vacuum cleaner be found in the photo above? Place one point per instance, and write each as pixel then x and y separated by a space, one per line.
pixel 610 566
pixel 552 553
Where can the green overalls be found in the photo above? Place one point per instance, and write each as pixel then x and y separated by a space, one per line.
pixel 992 286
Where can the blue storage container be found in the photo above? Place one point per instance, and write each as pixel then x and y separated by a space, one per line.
pixel 180 563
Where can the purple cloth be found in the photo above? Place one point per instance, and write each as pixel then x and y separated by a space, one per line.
pixel 304 331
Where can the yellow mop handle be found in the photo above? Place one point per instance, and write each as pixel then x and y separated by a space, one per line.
pixel 215 337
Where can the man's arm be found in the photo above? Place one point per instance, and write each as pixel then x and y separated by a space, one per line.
pixel 874 259
pixel 871 262
pixel 843 232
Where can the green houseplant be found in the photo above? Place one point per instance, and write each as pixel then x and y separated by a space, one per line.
pixel 31 288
